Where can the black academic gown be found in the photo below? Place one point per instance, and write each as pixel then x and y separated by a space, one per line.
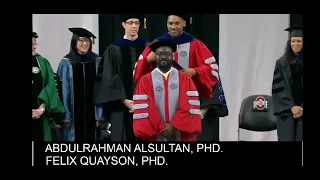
pixel 287 91
pixel 217 108
pixel 78 80
pixel 115 83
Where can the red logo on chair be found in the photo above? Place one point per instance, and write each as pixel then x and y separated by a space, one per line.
pixel 260 103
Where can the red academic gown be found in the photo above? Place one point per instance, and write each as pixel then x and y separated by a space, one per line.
pixel 173 100
pixel 191 53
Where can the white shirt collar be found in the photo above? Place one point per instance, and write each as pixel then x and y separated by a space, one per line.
pixel 124 37
pixel 166 72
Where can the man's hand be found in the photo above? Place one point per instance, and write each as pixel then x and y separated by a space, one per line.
pixel 297 111
pixel 190 71
pixel 36 113
pixel 168 131
pixel 151 57
pixel 204 112
pixel 128 103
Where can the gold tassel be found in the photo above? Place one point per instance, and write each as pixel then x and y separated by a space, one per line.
pixel 145 23
pixel 93 40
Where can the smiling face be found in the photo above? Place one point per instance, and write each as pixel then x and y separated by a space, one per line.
pixel 296 44
pixel 83 45
pixel 175 25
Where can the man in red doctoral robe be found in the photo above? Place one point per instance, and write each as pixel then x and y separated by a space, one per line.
pixel 166 101
pixel 195 59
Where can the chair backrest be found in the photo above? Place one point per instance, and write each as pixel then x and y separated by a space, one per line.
pixel 256 114
pixel 256 119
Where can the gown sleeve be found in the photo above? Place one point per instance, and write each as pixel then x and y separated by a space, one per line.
pixel 281 93
pixel 64 75
pixel 146 117
pixel 49 94
pixel 98 107
pixel 187 119
pixel 109 86
pixel 206 67
pixel 142 67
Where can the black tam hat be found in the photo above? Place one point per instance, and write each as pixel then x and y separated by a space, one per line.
pixel 154 46
pixel 82 32
pixel 183 16
pixel 295 31
pixel 125 17
pixel 35 35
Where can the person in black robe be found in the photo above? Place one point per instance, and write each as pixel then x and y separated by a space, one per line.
pixel 215 108
pixel 287 88
pixel 115 83
pixel 77 72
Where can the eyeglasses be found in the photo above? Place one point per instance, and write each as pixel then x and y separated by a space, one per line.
pixel 137 23
pixel 84 40
pixel 34 44
pixel 166 54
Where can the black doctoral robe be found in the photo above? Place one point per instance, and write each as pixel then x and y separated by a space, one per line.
pixel 115 83
pixel 217 108
pixel 78 80
pixel 287 91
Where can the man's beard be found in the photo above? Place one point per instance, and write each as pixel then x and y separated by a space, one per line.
pixel 164 67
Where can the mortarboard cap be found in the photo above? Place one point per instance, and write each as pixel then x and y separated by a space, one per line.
pixel 35 35
pixel 82 32
pixel 183 16
pixel 295 31
pixel 154 46
pixel 125 17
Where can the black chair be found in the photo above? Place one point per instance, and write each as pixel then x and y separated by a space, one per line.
pixel 256 115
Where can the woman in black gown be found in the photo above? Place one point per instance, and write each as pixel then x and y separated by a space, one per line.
pixel 287 88
pixel 77 72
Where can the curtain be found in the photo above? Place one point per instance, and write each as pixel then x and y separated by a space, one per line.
pixel 249 46
pixel 205 27
pixel 110 30
pixel 296 19
pixel 54 36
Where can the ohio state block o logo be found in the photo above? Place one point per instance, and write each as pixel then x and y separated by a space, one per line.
pixel 260 103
